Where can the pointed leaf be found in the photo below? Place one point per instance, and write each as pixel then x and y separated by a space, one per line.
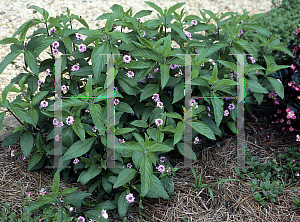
pixel 89 174
pixel 148 91
pixel 278 87
pixel 26 144
pixel 8 59
pixel 146 175
pixel 79 148
pixel 125 176
pixel 157 8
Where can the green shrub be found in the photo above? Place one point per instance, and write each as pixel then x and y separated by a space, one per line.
pixel 153 129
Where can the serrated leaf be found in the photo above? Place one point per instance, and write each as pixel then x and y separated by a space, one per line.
pixel 96 113
pixel 131 146
pixel 156 7
pixel 148 91
pixel 99 60
pixel 146 175
pixel 140 123
pixel 173 115
pixel 89 174
pixel 125 176
pixel 124 107
pixel 203 129
pixel 122 205
pixel 146 53
pixel 228 65
pixel 110 21
pixel 174 7
pixel 68 44
pixel 10 41
pixel 8 59
pixel 123 131
pixel 253 68
pixel 78 148
pixel 215 47
pixel 158 147
pixel 186 151
pixel 218 104
pixel 278 87
pixel 38 97
pixel 178 132
pixel 232 126
pixel 256 87
pixel 78 129
pixel 26 144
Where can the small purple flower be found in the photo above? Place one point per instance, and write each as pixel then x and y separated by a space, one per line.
pixel 226 112
pixel 130 198
pixel 12 153
pixel 194 22
pixel 130 74
pixel 40 82
pixel 158 122
pixel 156 97
pixel 70 120
pixel 126 58
pixel 44 103
pixel 57 138
pixel 48 72
pixel 79 36
pixel 121 140
pixel 161 168
pixel 116 102
pixel 188 34
pixel 115 88
pixel 76 160
pixel 81 219
pixel 196 140
pixel 162 159
pixel 52 30
pixel 112 157
pixel 160 105
pixel 173 66
pixel 82 48
pixel 87 110
pixel 75 68
pixel 252 59
pixel 55 45
pixel 129 165
pixel 231 106
pixel 48 156
pixel 55 51
pixel 143 81
pixel 23 157
pixel 63 88
pixel 150 76
pixel 196 50
pixel 139 19
pixel 94 129
pixel 241 32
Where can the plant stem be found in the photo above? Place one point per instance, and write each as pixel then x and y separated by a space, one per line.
pixel 165 27
pixel 14 116
pixel 48 36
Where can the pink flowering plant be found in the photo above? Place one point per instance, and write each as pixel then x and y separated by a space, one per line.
pixel 150 112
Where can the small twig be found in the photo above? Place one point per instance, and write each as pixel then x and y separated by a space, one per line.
pixel 14 115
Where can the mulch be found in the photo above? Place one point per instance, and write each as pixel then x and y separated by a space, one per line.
pixel 233 200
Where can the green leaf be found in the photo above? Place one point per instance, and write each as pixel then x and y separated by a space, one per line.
pixel 43 44
pixel 10 41
pixel 168 184
pixel 215 47
pixel 157 190
pixel 31 61
pixel 140 123
pixel 146 175
pixel 89 87
pixel 68 43
pixel 82 21
pixel 203 129
pixel 157 8
pixel 227 82
pixel 123 205
pixel 99 60
pixel 174 7
pixel 176 27
pixel 253 68
pixel 125 176
pixel 104 16
pixel 124 107
pixel 8 59
pixel 282 49
pixel 247 47
pixel 42 11
pixel 179 132
pixel 96 113
pixel 165 74
pixel 26 144
pixel 158 147
pixel 261 29
pixel 84 71
pixel 11 139
pixel 173 115
pixel 6 90
pixel 218 104
pixel 118 10
pixel 123 131
pixel 215 74
pixel 35 159
pixel 277 67
pixel 131 146
pixel 38 97
pixel 34 114
pixel 40 202
pixel 56 181
pixel 109 22
pixel 211 14
pixel 211 193
pixel 231 125
pixel 228 65
pixel 79 148
pixel 78 129
pixel 2 115
pixel 22 114
pixel 167 45
pixel 256 87
pixel 146 53
pixel 89 174
pixel 186 151
pixel 278 87
pixel 178 92
pixel 120 36
pixel 67 191
pixel 135 65
pixel 148 91
pixel 75 198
